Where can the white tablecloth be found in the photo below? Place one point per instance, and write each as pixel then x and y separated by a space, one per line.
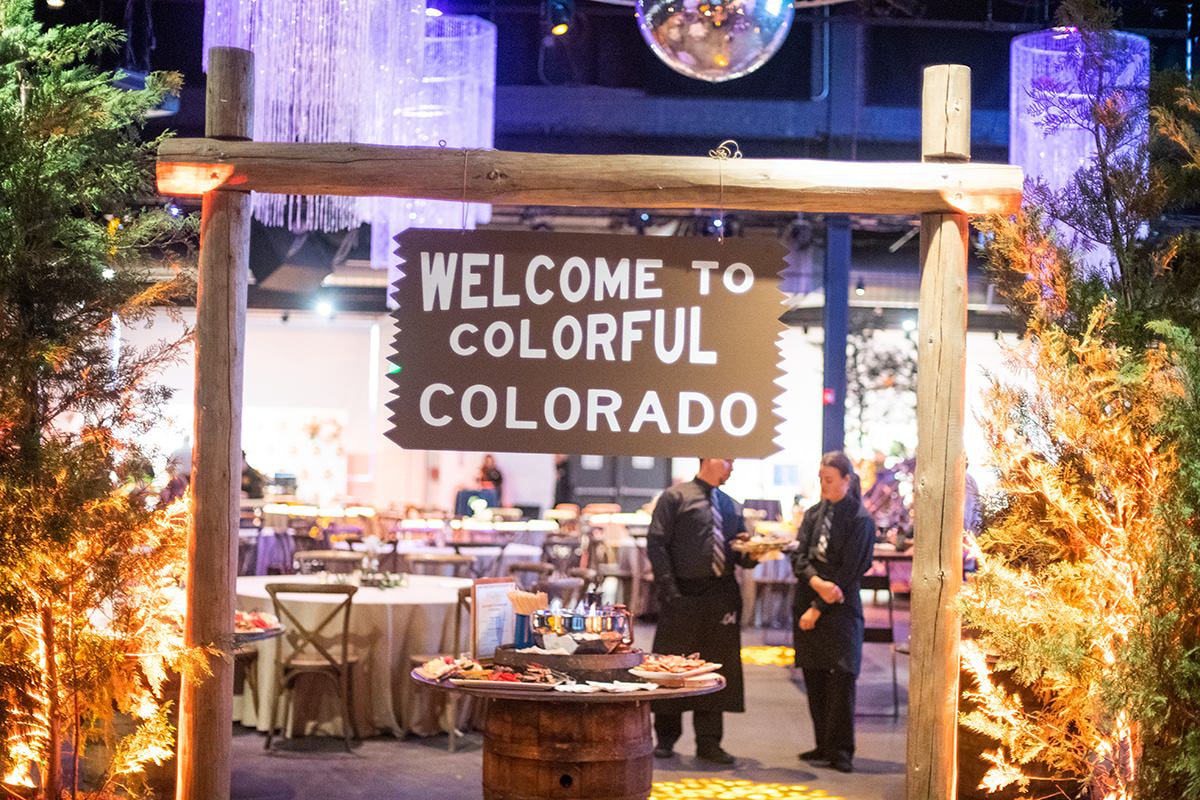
pixel 387 626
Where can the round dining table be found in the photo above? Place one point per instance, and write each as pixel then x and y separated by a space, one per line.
pixel 387 627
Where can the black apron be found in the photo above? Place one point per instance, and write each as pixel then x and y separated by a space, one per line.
pixel 705 620
pixel 836 641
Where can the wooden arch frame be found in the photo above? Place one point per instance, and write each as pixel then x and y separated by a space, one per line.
pixel 943 188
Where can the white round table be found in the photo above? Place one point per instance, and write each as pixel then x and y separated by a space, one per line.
pixel 387 626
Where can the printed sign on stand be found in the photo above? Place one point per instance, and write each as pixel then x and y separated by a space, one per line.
pixel 492 620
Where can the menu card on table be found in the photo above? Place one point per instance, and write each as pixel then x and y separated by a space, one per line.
pixel 492 620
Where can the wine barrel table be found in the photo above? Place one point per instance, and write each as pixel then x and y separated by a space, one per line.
pixel 544 745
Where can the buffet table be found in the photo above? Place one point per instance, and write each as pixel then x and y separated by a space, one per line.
pixel 549 744
pixel 387 626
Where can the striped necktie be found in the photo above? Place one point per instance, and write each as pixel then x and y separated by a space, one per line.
pixel 823 531
pixel 718 536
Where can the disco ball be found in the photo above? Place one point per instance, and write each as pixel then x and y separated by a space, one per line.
pixel 714 40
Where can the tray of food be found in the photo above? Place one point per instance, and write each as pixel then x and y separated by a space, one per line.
pixel 674 670
pixel 467 672
pixel 765 544
pixel 252 626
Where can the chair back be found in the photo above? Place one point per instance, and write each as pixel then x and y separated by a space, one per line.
pixel 563 551
pixel 568 591
pixel 461 610
pixel 304 639
pixel 521 571
pixel 450 564
pixel 340 561
pixel 590 577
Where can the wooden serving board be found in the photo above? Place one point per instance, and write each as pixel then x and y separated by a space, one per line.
pixel 586 667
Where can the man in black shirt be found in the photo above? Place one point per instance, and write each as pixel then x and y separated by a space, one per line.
pixel 688 547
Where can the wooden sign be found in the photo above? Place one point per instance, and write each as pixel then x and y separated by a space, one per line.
pixel 583 343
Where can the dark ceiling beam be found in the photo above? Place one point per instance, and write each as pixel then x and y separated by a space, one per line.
pixel 601 111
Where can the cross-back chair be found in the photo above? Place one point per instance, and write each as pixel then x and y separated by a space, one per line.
pixel 306 649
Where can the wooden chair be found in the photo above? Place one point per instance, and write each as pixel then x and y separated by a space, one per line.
pixel 339 561
pixel 245 666
pixel 568 591
pixel 772 602
pixel 458 645
pixel 881 635
pixel 446 564
pixel 564 551
pixel 523 571
pixel 308 651
pixel 590 578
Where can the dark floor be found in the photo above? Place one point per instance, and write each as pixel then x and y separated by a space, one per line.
pixel 765 740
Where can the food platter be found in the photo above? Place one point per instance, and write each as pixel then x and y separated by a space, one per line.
pixel 251 635
pixel 517 686
pixel 762 545
pixel 255 626
pixel 674 677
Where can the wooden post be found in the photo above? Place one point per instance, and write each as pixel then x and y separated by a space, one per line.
pixel 206 708
pixel 941 370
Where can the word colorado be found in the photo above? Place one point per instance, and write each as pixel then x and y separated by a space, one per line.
pixel 690 414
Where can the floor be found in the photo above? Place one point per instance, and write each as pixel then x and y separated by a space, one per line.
pixel 766 740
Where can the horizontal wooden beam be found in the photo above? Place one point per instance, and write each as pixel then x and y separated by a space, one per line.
pixel 193 166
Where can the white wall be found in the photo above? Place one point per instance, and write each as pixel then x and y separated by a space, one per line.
pixel 315 392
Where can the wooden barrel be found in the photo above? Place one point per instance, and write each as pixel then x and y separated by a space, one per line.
pixel 589 751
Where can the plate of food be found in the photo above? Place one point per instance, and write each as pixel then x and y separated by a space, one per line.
pixel 764 544
pixel 518 686
pixel 250 626
pixel 673 669
pixel 467 672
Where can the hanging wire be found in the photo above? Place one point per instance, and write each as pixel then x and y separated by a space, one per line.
pixel 723 152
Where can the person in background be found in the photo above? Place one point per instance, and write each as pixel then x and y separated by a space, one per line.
pixel 254 483
pixel 972 519
pixel 177 484
pixel 491 478
pixel 688 546
pixel 836 540
pixel 564 490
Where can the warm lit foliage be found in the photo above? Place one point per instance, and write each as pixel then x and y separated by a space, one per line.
pixel 89 575
pixel 1081 467
pixel 1088 595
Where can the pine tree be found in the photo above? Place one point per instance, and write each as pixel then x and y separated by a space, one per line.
pixel 87 624
pixel 1088 593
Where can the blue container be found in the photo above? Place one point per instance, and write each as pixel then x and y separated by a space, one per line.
pixel 522 635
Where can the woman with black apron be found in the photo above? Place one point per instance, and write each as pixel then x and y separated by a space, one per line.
pixel 836 541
